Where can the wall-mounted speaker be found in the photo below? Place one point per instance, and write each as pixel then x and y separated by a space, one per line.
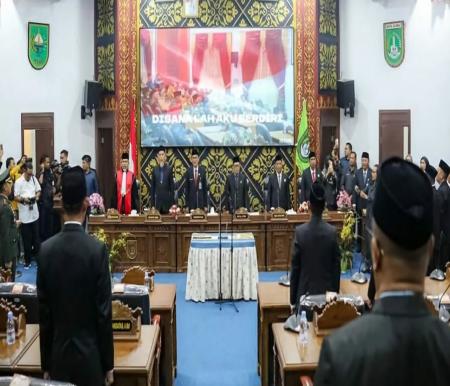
pixel 346 96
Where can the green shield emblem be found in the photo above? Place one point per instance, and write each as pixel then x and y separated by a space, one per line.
pixel 38 44
pixel 394 43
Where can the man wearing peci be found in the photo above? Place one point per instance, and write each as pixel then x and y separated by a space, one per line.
pixel 236 188
pixel 74 295
pixel 315 265
pixel 278 188
pixel 399 342
pixel 162 183
pixel 311 175
pixel 196 187
pixel 125 191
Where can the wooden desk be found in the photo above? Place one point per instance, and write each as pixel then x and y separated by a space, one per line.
pixel 135 363
pixel 347 287
pixel 434 287
pixel 273 307
pixel 163 303
pixel 165 245
pixel 9 355
pixel 289 363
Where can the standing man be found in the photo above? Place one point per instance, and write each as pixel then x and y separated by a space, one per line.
pixel 9 235
pixel 315 266
pixel 75 320
pixel 345 161
pixel 162 183
pixel 348 179
pixel 363 177
pixel 367 264
pixel 27 192
pixel 45 204
pixel 443 198
pixel 196 187
pixel 278 190
pixel 90 175
pixel 403 343
pixel 63 166
pixel 236 188
pixel 125 191
pixel 310 175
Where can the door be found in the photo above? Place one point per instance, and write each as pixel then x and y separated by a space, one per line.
pixel 104 154
pixel 329 131
pixel 37 136
pixel 395 133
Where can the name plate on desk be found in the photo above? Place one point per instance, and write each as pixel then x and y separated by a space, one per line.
pixel 279 214
pixel 198 215
pixel 126 323
pixel 112 215
pixel 241 214
pixel 153 215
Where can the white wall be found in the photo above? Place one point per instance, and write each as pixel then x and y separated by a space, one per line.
pixel 421 83
pixel 59 86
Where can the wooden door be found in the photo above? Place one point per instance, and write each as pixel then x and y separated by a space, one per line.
pixel 329 131
pixel 395 133
pixel 104 154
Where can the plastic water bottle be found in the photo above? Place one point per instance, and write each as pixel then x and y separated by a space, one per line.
pixel 303 333
pixel 10 331
pixel 147 280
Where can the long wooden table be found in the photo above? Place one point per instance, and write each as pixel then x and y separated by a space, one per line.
pixel 9 355
pixel 135 363
pixel 273 307
pixel 290 361
pixel 164 245
pixel 163 303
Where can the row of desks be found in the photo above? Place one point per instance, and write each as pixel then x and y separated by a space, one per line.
pixel 129 356
pixel 135 363
pixel 279 360
pixel 165 245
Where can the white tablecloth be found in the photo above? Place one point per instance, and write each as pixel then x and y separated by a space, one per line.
pixel 203 279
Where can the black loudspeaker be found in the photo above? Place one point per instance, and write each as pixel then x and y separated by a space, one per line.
pixel 92 93
pixel 346 96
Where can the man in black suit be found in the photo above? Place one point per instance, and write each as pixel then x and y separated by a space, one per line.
pixel 278 188
pixel 196 187
pixel 74 294
pixel 348 177
pixel 363 177
pixel 345 161
pixel 162 183
pixel 236 188
pixel 399 342
pixel 315 266
pixel 443 197
pixel 309 177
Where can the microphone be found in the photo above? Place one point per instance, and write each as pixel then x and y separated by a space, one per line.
pixel 444 315
pixel 359 277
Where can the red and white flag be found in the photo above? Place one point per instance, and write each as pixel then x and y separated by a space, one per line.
pixel 132 149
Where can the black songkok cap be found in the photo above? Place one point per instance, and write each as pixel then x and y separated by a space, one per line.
pixel 278 157
pixel 365 155
pixel 445 168
pixel 432 172
pixel 125 156
pixel 73 186
pixel 317 196
pixel 194 152
pixel 311 155
pixel 160 149
pixel 236 159
pixel 403 205
pixel 4 177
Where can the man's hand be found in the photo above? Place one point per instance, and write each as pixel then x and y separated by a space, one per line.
pixel 109 377
pixel 363 195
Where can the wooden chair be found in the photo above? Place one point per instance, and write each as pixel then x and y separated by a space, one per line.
pixel 134 275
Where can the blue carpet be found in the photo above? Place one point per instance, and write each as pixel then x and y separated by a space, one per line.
pixel 214 347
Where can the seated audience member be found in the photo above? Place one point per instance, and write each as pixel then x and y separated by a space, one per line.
pixel 399 342
pixel 315 266
pixel 75 320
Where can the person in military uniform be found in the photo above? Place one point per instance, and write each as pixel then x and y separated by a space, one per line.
pixel 9 236
pixel 236 188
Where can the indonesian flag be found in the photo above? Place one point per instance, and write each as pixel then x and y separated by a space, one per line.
pixel 132 150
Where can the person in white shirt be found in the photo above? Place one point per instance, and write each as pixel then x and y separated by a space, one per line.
pixel 27 192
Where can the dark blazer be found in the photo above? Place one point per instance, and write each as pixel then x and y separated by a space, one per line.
pixel 444 192
pixel 191 188
pixel 236 196
pixel 348 183
pixel 162 188
pixel 9 235
pixel 398 343
pixel 315 265
pixel 74 294
pixel 331 190
pixel 277 197
pixel 307 183
pixel 363 185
